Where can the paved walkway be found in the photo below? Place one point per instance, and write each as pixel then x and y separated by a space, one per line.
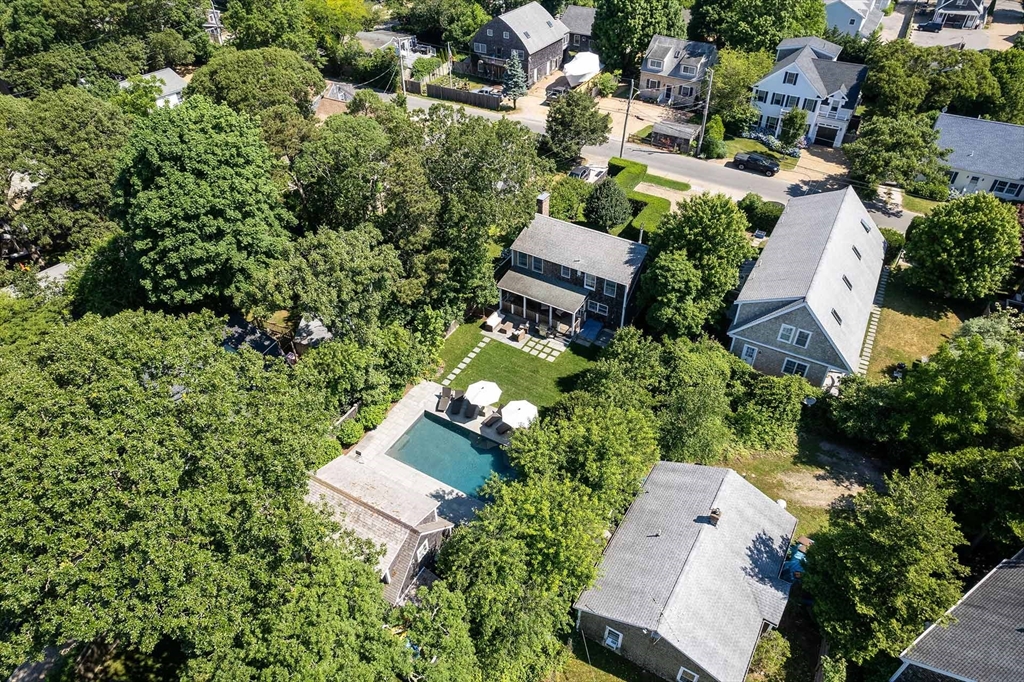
pixel 876 312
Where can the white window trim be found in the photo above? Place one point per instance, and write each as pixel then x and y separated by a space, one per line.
pixel 480 48
pixel 566 272
pixel 535 262
pixel 518 53
pixel 522 259
pixel 785 78
pixel 797 336
pixel 614 288
pixel 575 38
pixel 783 329
pixel 599 308
pixel 688 70
pixel 605 640
pixel 680 678
pixel 589 281
pixel 421 551
pixel 505 35
pixel 490 33
pixel 796 364
pixel 656 64
pixel 753 358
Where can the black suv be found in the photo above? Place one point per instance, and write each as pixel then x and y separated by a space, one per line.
pixel 756 162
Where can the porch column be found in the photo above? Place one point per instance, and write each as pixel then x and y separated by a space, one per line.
pixel 501 301
pixel 550 311
pixel 524 308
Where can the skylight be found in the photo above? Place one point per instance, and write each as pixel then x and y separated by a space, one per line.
pixel 866 225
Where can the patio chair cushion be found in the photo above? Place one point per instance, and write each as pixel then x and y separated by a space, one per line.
pixel 442 403
pixel 492 420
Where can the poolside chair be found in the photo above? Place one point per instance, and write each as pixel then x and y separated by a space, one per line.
pixel 492 420
pixel 457 404
pixel 471 410
pixel 503 429
pixel 457 395
pixel 446 391
pixel 442 403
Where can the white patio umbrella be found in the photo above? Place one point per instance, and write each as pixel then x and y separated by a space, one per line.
pixel 519 413
pixel 483 393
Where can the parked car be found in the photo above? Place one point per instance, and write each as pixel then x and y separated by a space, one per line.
pixel 745 160
pixel 556 92
pixel 930 27
pixel 487 91
pixel 589 174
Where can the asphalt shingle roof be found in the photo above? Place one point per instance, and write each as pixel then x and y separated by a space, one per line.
pixel 809 252
pixel 581 248
pixel 985 147
pixel 534 26
pixel 171 82
pixel 706 590
pixel 675 52
pixel 578 19
pixel 819 44
pixel 826 76
pixel 985 640
pixel 558 294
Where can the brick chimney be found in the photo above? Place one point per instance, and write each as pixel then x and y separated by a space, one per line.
pixel 543 202
pixel 716 514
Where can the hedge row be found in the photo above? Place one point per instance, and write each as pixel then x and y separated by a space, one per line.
pixel 648 209
pixel 627 174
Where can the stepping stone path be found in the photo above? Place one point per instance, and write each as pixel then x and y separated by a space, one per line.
pixel 876 311
pixel 465 361
pixel 542 348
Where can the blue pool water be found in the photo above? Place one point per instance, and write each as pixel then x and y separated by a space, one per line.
pixel 450 454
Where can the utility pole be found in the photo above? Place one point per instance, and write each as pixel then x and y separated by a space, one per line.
pixel 401 67
pixel 704 118
pixel 629 102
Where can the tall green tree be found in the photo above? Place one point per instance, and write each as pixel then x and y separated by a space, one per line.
pixel 330 22
pixel 899 150
pixel 195 198
pixel 735 75
pixel 1008 70
pixel 966 247
pixel 623 29
pixel 871 595
pixel 607 206
pixel 575 122
pixel 514 80
pixel 277 23
pixel 752 25
pixel 438 627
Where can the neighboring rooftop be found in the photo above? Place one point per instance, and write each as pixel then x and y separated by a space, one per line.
pixel 705 589
pixel 821 46
pixel 578 19
pixel 366 483
pixel 534 26
pixel 810 250
pixel 825 75
pixel 677 52
pixel 581 248
pixel 172 83
pixel 981 146
pixel 984 638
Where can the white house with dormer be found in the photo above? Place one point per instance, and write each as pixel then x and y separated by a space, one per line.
pixel 806 75
pixel 855 17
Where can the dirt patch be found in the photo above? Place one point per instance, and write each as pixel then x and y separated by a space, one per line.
pixel 843 472
pixel 673 195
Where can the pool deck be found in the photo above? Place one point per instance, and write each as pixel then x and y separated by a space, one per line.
pixel 455 506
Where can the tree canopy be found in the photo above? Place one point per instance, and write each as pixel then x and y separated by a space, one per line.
pixel 574 122
pixel 735 75
pixel 903 151
pixel 752 25
pixel 623 29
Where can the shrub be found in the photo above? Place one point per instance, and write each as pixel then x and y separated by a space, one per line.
pixel 607 83
pixel 761 214
pixel 770 657
pixel 568 197
pixel 714 149
pixel 424 66
pixel 767 410
pixel 627 174
pixel 370 416
pixel 350 432
pixel 607 206
pixel 793 124
pixel 894 242
pixel 715 129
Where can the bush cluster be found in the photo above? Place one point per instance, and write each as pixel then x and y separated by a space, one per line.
pixel 424 66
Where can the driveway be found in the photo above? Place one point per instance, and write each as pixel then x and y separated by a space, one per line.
pixel 1005 23
pixel 897 24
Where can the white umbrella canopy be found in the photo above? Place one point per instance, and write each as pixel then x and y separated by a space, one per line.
pixel 483 393
pixel 519 413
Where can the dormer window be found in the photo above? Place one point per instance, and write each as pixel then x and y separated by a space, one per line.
pixel 789 78
pixel 655 64
pixel 688 70
pixel 550 25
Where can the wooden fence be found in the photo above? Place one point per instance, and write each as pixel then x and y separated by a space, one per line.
pixel 453 95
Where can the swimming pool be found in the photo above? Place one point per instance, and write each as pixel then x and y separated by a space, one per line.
pixel 450 454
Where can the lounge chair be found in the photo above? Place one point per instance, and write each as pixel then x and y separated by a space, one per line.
pixel 471 411
pixel 457 395
pixel 492 420
pixel 457 404
pixel 505 329
pixel 446 391
pixel 503 429
pixel 442 403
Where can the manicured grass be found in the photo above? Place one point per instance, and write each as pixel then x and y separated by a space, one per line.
pixel 913 324
pixel 667 183
pixel 644 132
pixel 521 376
pixel 604 666
pixel 919 205
pixel 735 145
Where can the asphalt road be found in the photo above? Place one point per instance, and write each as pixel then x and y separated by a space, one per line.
pixel 701 174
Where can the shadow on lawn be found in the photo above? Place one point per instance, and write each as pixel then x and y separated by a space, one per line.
pixel 843 465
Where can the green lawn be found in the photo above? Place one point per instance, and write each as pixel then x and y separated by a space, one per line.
pixel 603 666
pixel 520 375
pixel 913 324
pixel 735 145
pixel 667 183
pixel 919 205
pixel 644 132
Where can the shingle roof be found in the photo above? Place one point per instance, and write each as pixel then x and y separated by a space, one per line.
pixel 809 252
pixel 980 146
pixel 819 44
pixel 172 82
pixel 675 52
pixel 558 294
pixel 687 131
pixel 826 76
pixel 985 640
pixel 581 248
pixel 534 26
pixel 365 483
pixel 706 590
pixel 578 19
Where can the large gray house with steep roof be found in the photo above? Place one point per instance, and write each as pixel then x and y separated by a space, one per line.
pixel 580 23
pixel 805 305
pixel 806 75
pixel 691 577
pixel 984 155
pixel 673 69
pixel 394 517
pixel 982 639
pixel 563 274
pixel 529 32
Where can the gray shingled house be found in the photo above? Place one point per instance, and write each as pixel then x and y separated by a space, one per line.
pixel 984 155
pixel 580 22
pixel 564 274
pixel 691 577
pixel 673 69
pixel 536 37
pixel 392 516
pixel 983 640
pixel 804 308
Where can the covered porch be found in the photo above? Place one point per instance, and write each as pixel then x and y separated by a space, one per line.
pixel 556 307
